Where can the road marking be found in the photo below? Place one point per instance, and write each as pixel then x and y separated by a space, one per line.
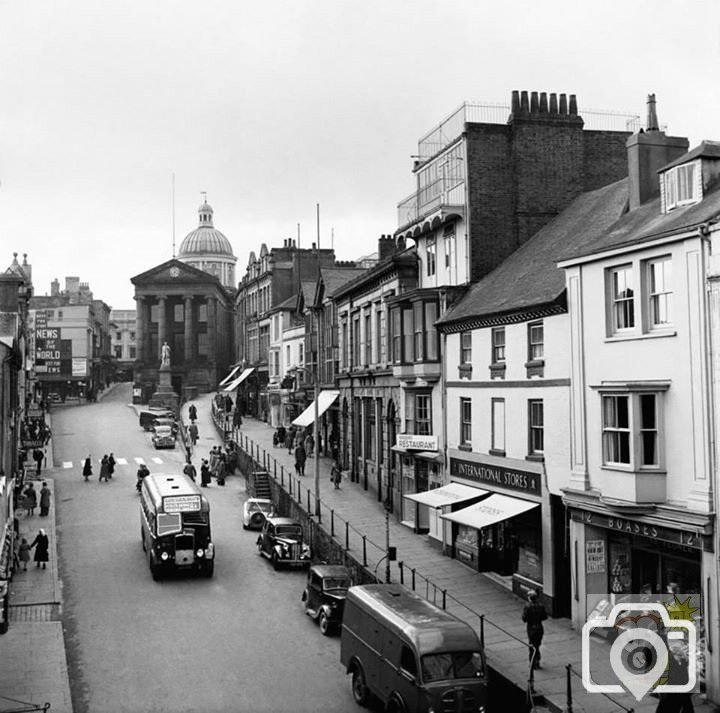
pixel 67 464
pixel 157 460
pixel 121 461
pixel 139 461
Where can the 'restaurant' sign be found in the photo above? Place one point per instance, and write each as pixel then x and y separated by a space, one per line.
pixel 417 443
pixel 508 478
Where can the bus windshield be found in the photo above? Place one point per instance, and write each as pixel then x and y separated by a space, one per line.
pixel 446 666
pixel 167 523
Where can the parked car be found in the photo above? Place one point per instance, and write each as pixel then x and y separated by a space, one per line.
pixel 324 595
pixel 163 437
pixel 255 510
pixel 282 542
pixel 165 421
pixel 147 417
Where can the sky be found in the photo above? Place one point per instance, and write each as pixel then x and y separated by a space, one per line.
pixel 116 116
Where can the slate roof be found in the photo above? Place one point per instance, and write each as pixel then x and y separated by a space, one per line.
pixel 706 149
pixel 530 277
pixel 647 223
pixel 334 278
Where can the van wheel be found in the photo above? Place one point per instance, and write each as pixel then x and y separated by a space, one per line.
pixel 324 624
pixel 359 689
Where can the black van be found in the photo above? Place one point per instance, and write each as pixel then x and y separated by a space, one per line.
pixel 147 417
pixel 409 654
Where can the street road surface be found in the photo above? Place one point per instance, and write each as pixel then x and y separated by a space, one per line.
pixel 236 642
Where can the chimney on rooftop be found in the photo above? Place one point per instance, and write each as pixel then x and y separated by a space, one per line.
pixel 55 288
pixel 386 246
pixel 648 151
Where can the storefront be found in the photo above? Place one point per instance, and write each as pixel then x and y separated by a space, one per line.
pixel 502 532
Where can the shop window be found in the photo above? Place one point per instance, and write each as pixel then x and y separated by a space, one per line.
pixel 536 429
pixel 498 427
pixel 465 424
pixel 632 436
pixel 497 356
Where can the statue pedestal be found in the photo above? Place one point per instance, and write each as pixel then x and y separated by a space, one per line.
pixel 165 396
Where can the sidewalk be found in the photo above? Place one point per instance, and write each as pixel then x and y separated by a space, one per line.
pixel 469 593
pixel 34 666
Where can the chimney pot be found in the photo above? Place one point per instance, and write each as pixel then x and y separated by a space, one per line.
pixel 524 104
pixel 652 120
pixel 543 103
pixel 515 103
pixel 563 103
pixel 533 102
pixel 573 105
pixel 553 103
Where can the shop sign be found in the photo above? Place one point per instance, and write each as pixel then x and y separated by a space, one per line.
pixel 32 443
pixel 417 443
pixel 79 367
pixel 685 538
pixel 595 556
pixel 508 478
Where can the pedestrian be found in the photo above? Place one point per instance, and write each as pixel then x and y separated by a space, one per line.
pixel 309 445
pixel 87 468
pixel 300 458
pixel 44 500
pixel 192 413
pixel 193 433
pixel 24 553
pixel 103 469
pixel 111 465
pixel 290 439
pixel 38 457
pixel 336 474
pixel 205 474
pixel 42 545
pixel 30 495
pixel 281 435
pixel 231 459
pixel 237 418
pixel 534 615
pixel 221 470
pixel 213 460
pixel 190 470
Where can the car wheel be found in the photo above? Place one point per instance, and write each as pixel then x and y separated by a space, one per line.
pixel 275 561
pixel 359 689
pixel 245 527
pixel 209 569
pixel 324 624
pixel 257 520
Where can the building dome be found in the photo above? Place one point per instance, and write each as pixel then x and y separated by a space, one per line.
pixel 205 239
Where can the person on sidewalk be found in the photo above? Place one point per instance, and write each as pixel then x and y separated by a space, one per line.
pixel 87 468
pixel 30 495
pixel 44 499
pixel 534 615
pixel 38 457
pixel 24 553
pixel 193 432
pixel 309 445
pixel 221 470
pixel 300 459
pixel 103 469
pixel 280 436
pixel 41 543
pixel 192 413
pixel 336 474
pixel 290 439
pixel 205 474
pixel 190 470
pixel 111 465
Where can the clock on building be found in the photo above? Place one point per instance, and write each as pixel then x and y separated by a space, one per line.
pixel 174 271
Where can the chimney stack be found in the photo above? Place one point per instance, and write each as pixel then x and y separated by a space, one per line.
pixel 386 246
pixel 55 288
pixel 648 151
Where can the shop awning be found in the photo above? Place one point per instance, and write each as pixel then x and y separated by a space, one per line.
pixel 487 512
pixel 450 494
pixel 230 376
pixel 236 382
pixel 325 401
pixel 435 456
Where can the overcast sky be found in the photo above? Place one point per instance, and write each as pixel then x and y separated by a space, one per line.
pixel 273 107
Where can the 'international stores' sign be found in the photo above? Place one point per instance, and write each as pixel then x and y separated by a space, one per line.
pixel 518 480
pixel 626 526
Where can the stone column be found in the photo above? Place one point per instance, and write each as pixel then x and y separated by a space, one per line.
pixel 189 356
pixel 162 325
pixel 212 329
pixel 140 326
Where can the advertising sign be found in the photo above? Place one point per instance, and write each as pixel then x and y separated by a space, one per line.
pixel 52 353
pixel 595 556
pixel 79 366
pixel 181 503
pixel 417 443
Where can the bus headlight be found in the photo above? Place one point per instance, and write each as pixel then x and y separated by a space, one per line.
pixel 164 556
pixel 200 552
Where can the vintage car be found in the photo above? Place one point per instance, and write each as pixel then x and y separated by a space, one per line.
pixel 165 421
pixel 147 417
pixel 255 510
pixel 282 542
pixel 324 595
pixel 163 437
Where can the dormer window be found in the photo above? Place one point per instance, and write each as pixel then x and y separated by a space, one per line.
pixel 681 186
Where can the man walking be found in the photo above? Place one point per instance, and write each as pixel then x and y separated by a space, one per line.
pixel 534 615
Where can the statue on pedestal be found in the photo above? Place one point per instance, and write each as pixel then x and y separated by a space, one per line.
pixel 165 360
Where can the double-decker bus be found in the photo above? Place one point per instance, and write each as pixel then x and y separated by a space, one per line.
pixel 175 525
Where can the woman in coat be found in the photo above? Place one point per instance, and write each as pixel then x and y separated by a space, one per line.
pixel 300 458
pixel 87 468
pixel 204 474
pixel 104 469
pixel 44 500
pixel 41 543
pixel 30 499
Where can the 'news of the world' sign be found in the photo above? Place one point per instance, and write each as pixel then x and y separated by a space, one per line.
pixel 417 443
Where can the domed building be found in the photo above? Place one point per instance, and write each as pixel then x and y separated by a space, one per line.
pixel 207 249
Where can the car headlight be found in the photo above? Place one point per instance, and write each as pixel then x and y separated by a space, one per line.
pixel 200 552
pixel 164 556
pixel 306 550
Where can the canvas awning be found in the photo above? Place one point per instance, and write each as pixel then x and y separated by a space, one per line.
pixel 435 456
pixel 487 512
pixel 230 376
pixel 325 401
pixel 236 382
pixel 450 494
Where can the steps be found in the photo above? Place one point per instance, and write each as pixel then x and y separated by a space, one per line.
pixel 261 484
